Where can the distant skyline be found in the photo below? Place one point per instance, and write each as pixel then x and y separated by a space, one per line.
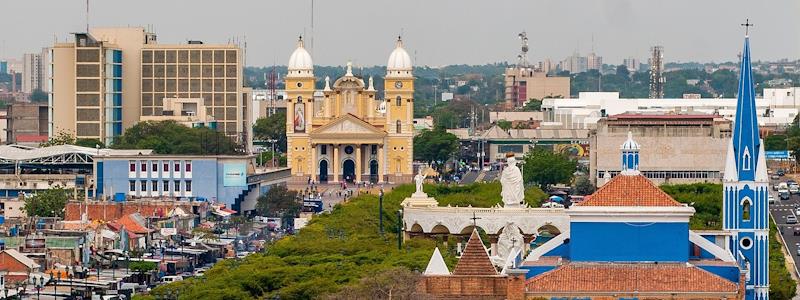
pixel 435 33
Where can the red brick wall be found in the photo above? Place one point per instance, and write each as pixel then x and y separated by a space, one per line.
pixel 464 287
pixel 109 211
pixel 9 264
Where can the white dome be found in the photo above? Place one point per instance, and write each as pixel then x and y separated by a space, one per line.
pixel 630 144
pixel 399 60
pixel 300 59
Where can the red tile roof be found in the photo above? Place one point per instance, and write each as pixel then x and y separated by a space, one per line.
pixel 474 260
pixel 629 190
pixel 131 225
pixel 633 277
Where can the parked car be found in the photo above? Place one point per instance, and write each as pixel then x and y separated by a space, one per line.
pixel 781 172
pixel 784 194
pixel 774 177
pixel 770 199
pixel 791 219
pixel 794 189
pixel 552 205
pixel 168 279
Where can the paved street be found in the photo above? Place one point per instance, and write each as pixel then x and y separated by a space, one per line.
pixel 779 210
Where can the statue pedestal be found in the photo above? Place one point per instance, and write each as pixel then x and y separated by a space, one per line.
pixel 419 199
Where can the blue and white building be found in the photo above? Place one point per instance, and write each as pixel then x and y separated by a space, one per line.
pixel 228 179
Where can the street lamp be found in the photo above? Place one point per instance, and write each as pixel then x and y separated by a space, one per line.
pixel 380 209
pixel 38 284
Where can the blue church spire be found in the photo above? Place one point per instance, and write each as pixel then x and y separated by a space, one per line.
pixel 746 142
pixel 745 207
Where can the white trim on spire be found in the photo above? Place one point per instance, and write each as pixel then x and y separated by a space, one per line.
pixel 731 172
pixel 436 265
pixel 761 165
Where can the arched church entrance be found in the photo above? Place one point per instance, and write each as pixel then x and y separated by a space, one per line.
pixel 323 171
pixel 349 170
pixel 373 171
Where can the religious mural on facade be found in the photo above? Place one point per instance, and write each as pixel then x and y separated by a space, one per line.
pixel 299 117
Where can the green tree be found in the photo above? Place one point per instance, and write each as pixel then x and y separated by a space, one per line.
pixel 169 137
pixel 38 95
pixel 533 105
pixel 546 168
pixel 622 71
pixel 394 283
pixel 583 186
pixel 272 128
pixel 47 203
pixel 435 145
pixel 504 125
pixel 278 202
pixel 775 142
pixel 60 138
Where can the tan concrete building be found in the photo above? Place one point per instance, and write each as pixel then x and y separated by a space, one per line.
pixel 344 132
pixel 25 121
pixel 675 148
pixel 524 84
pixel 112 78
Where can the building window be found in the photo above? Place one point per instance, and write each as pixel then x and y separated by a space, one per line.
pixel 132 167
pixel 131 186
pixel 155 167
pixel 177 185
pixel 299 99
pixel 154 185
pixel 323 150
pixel 746 209
pixel 746 159
pixel 166 167
pixel 348 149
pixel 746 243
pixel 398 126
pixel 188 186
pixel 177 167
pixel 144 167
pixel 143 185
pixel 188 166
pixel 398 101
pixel 374 150
pixel 166 185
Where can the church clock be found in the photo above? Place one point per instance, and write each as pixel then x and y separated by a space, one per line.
pixel 398 84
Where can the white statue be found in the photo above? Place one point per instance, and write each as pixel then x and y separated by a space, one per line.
pixel 513 192
pixel 508 241
pixel 327 83
pixel 419 179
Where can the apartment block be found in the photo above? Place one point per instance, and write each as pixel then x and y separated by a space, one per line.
pixel 131 78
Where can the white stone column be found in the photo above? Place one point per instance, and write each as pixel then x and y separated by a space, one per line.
pixel 335 163
pixel 313 163
pixel 359 162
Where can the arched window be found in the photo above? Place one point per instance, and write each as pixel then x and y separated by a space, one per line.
pixel 746 209
pixel 746 160
pixel 398 126
pixel 399 100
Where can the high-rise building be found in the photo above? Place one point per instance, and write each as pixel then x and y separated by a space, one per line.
pixel 632 64
pixel 594 62
pixel 109 79
pixel 575 64
pixel 3 67
pixel 34 71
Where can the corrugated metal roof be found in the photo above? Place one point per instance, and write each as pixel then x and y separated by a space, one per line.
pixel 17 152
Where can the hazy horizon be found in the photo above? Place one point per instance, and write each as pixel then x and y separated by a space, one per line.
pixel 436 33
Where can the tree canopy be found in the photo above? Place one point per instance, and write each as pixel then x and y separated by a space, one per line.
pixel 435 145
pixel 47 203
pixel 278 202
pixel 169 137
pixel 272 127
pixel 545 168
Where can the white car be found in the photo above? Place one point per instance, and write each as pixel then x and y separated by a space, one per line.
pixel 552 205
pixel 168 279
pixel 770 199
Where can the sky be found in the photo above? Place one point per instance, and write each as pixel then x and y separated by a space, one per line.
pixel 435 32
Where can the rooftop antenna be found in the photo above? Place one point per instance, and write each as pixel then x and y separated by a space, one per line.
pixel 311 39
pixel 523 54
pixel 87 16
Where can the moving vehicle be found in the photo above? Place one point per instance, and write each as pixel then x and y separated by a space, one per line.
pixel 552 205
pixel 791 219
pixel 781 172
pixel 168 279
pixel 794 189
pixel 770 199
pixel 783 185
pixel 784 194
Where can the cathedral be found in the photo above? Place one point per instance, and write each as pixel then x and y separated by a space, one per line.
pixel 347 132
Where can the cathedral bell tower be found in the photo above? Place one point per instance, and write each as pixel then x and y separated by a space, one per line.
pixel 399 97
pixel 745 189
pixel 299 106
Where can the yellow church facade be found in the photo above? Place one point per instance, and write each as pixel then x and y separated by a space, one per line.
pixel 344 132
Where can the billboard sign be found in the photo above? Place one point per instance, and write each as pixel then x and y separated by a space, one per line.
pixel 778 154
pixel 235 174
